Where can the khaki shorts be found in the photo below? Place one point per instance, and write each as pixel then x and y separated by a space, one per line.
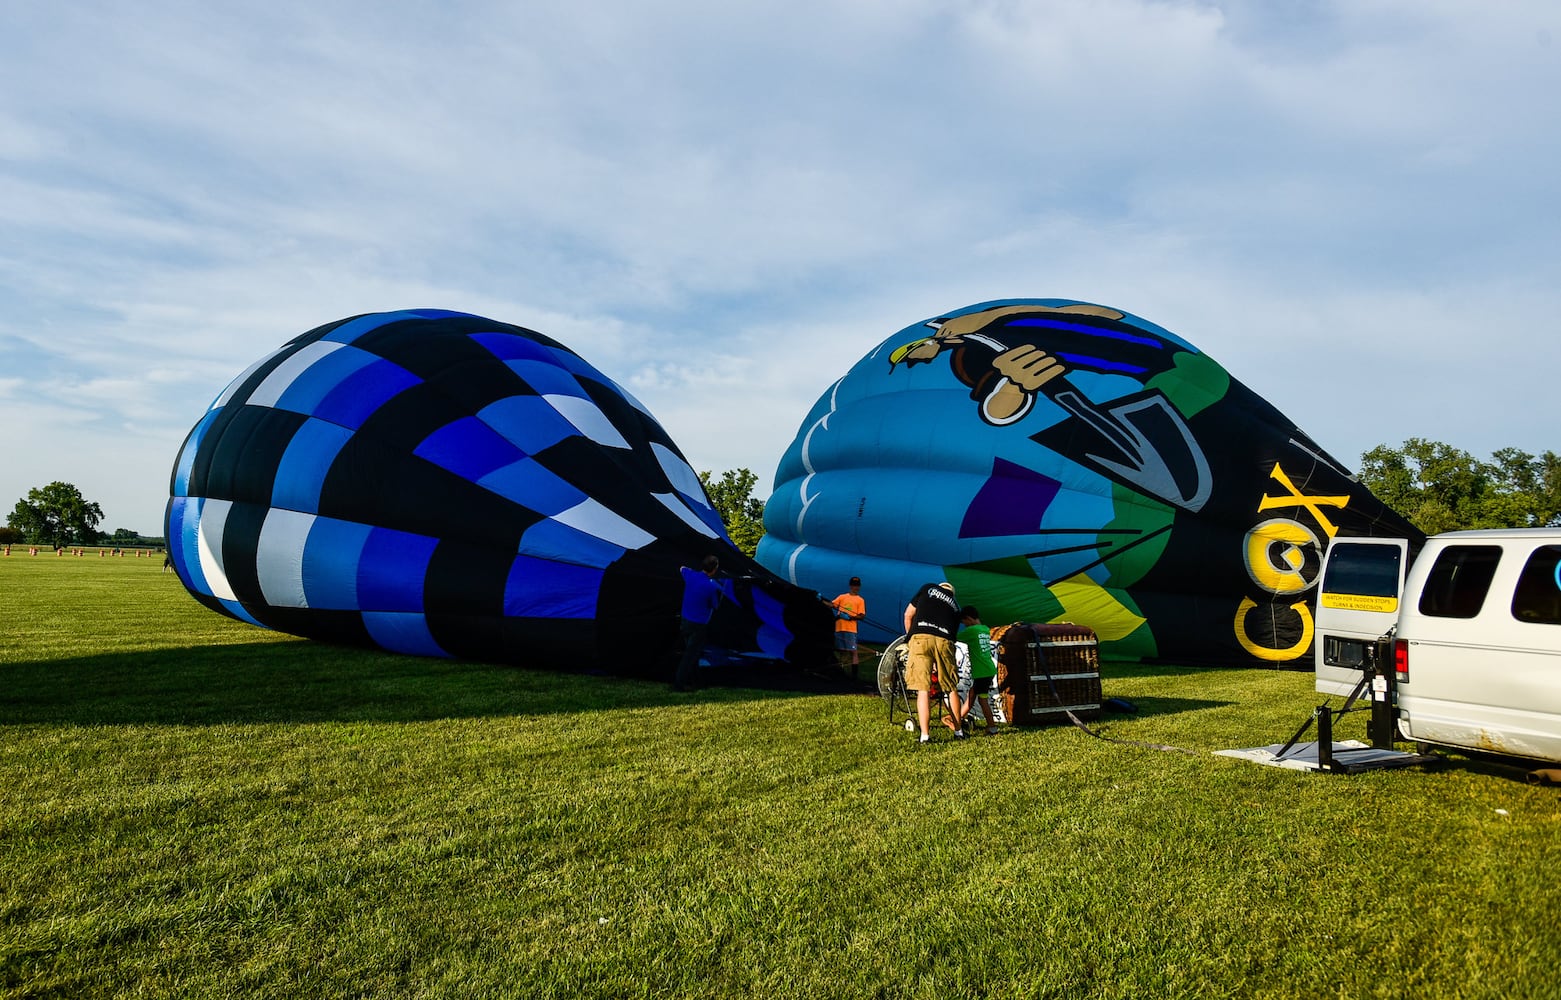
pixel 923 655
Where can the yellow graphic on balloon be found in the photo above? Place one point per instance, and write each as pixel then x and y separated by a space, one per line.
pixel 1085 601
pixel 1275 555
pixel 1265 652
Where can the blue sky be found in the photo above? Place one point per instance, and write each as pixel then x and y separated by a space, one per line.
pixel 1351 205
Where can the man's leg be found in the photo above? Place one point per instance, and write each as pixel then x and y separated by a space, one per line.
pixel 948 676
pixel 923 711
pixel 693 645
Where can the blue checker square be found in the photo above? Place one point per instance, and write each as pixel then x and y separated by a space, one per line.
pixel 314 383
pixel 577 365
pixel 546 379
pixel 552 540
pixel 301 472
pixel 528 422
pixel 392 571
pixel 181 471
pixel 363 392
pixel 533 486
pixel 508 347
pixel 355 328
pixel 469 448
pixel 402 632
pixel 539 588
pixel 332 555
pixel 183 517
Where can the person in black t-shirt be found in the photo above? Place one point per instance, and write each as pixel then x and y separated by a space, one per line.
pixel 931 621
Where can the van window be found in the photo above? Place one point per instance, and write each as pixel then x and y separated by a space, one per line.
pixel 1368 570
pixel 1456 585
pixel 1538 596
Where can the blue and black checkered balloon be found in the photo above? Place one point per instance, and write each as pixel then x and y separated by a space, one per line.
pixel 440 484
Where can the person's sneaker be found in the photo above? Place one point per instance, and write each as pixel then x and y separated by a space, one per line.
pixel 924 739
pixel 959 734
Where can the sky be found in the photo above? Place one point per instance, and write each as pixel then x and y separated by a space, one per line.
pixel 1352 205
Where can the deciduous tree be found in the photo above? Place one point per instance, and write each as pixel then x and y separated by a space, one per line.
pixel 1442 488
pixel 732 497
pixel 56 515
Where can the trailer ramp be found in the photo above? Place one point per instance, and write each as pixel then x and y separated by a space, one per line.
pixel 1339 757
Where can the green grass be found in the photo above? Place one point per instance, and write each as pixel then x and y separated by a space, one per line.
pixel 190 807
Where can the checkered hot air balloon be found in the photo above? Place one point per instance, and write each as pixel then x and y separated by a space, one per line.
pixel 441 484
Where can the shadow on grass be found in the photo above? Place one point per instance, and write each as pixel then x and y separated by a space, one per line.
pixel 1135 668
pixel 1490 765
pixel 305 682
pixel 1149 706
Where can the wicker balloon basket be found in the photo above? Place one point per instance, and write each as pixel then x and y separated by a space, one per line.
pixel 1045 672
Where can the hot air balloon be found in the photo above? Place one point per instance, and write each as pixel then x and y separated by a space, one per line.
pixel 437 483
pixel 1063 461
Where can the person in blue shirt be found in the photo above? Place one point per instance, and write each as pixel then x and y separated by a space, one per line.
pixel 702 592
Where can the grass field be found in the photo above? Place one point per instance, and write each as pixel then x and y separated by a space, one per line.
pixel 190 807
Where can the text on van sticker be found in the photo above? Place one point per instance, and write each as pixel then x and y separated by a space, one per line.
pixel 1359 602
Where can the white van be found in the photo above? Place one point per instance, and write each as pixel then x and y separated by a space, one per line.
pixel 1476 657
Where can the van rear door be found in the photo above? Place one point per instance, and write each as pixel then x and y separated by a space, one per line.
pixel 1357 602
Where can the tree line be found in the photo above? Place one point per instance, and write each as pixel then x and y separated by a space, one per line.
pixel 58 515
pixel 1437 487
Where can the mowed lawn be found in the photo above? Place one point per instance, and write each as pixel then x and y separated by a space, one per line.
pixel 191 807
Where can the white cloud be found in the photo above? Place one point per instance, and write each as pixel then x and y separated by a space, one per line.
pixel 723 207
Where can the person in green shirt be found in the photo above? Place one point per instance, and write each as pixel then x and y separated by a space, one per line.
pixel 978 639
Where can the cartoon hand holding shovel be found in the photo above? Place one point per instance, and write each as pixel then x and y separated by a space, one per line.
pixel 1139 440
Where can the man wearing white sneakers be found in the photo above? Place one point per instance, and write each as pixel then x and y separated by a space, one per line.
pixel 931 622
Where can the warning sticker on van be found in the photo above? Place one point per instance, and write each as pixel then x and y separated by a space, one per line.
pixel 1359 602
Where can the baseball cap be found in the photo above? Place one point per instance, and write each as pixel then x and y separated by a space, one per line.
pixel 856 581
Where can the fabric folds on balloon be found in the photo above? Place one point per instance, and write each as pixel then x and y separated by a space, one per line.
pixel 1063 461
pixel 441 484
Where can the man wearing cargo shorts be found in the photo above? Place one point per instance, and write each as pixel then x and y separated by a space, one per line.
pixel 931 621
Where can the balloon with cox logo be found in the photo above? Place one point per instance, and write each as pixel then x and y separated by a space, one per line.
pixel 1063 461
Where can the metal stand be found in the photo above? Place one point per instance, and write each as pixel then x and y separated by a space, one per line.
pixel 891 686
pixel 1381 729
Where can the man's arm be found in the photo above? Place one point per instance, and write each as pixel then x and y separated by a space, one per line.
pixel 910 616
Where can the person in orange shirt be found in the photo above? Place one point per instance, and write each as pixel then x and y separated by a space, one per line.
pixel 849 609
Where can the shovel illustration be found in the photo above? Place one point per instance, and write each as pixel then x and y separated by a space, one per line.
pixel 1139 440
